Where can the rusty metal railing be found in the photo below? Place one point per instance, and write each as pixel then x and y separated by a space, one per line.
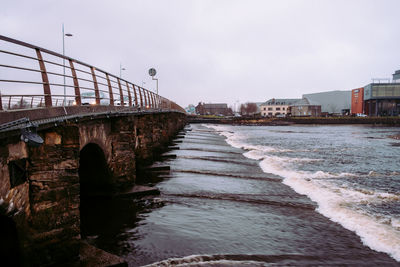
pixel 86 84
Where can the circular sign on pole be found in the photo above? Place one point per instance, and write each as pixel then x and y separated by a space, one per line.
pixel 152 72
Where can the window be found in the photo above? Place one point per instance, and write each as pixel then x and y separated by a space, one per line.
pixel 270 113
pixel 265 108
pixel 283 108
pixel 278 108
pixel 269 108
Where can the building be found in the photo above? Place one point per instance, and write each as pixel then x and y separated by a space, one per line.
pixel 275 107
pixel 305 108
pixel 382 99
pixel 332 102
pixel 213 109
pixel 357 101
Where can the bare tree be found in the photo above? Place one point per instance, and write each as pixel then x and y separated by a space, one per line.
pixel 248 108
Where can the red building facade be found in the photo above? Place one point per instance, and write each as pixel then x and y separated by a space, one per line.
pixel 357 101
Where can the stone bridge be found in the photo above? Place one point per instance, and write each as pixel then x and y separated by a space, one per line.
pixel 41 186
pixel 56 149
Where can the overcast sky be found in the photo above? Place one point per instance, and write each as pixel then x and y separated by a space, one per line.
pixel 220 51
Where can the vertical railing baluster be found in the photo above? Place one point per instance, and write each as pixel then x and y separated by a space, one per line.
pixel 21 103
pixel 134 92
pixel 141 98
pixel 121 95
pixel 154 102
pixel 9 103
pixel 41 101
pixel 151 100
pixel 129 94
pixel 76 84
pixel 96 86
pixel 32 102
pixel 110 90
pixel 45 79
pixel 146 98
pixel 1 102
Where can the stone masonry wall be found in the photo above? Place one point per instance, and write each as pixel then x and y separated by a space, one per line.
pixel 45 207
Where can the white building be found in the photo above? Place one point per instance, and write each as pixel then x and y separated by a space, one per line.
pixel 275 107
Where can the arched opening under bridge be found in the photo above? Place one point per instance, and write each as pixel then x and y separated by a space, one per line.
pixel 9 244
pixel 94 174
pixel 95 186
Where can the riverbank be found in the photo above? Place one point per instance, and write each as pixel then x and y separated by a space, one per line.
pixel 251 121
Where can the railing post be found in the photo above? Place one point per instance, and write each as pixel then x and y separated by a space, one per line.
pixel 146 98
pixel 134 92
pixel 141 98
pixel 110 90
pixel 31 102
pixel 1 102
pixel 129 95
pixel 151 99
pixel 96 86
pixel 76 84
pixel 45 79
pixel 9 103
pixel 121 95
pixel 153 96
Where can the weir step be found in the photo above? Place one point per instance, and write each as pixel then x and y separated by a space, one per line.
pixel 158 168
pixel 170 156
pixel 138 191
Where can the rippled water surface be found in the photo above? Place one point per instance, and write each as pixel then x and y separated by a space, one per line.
pixel 262 196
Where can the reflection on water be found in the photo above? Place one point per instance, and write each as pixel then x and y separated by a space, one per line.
pixel 223 207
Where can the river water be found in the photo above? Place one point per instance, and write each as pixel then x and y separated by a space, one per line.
pixel 264 196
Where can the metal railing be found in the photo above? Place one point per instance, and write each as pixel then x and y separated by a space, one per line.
pixel 87 85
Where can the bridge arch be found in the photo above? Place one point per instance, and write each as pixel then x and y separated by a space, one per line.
pixel 9 242
pixel 94 173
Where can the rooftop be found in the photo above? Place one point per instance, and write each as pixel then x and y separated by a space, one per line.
pixel 281 101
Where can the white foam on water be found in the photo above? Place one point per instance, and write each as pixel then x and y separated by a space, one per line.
pixel 334 202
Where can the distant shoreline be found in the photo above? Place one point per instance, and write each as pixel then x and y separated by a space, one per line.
pixel 251 121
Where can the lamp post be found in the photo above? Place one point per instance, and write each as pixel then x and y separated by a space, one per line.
pixel 120 70
pixel 152 73
pixel 69 35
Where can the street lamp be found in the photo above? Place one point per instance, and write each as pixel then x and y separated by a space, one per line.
pixel 152 73
pixel 120 70
pixel 68 35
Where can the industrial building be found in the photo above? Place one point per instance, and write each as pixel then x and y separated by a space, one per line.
pixel 378 98
pixel 357 101
pixel 332 102
pixel 382 99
